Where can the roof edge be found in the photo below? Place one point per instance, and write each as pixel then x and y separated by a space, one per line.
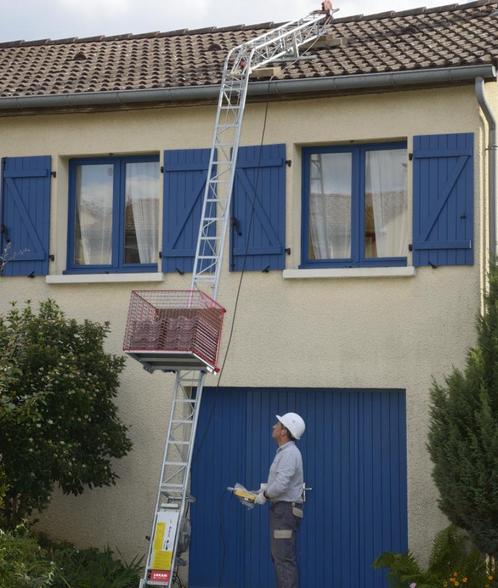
pixel 447 75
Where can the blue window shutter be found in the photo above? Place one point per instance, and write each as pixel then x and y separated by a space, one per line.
pixel 25 214
pixel 443 199
pixel 185 173
pixel 258 209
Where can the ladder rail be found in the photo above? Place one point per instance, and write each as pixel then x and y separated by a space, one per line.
pixel 170 441
pixel 159 490
pixel 229 188
pixel 240 62
pixel 282 41
pixel 198 395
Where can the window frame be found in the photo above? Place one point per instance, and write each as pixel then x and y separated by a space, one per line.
pixel 118 216
pixel 357 259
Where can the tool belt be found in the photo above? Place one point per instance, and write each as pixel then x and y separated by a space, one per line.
pixel 297 507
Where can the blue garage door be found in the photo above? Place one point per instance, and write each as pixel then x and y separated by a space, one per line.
pixel 354 453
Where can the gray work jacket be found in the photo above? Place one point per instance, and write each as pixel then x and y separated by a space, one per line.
pixel 285 480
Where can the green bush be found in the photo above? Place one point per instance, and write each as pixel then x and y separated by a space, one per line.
pixel 463 435
pixel 29 562
pixel 23 564
pixel 91 568
pixel 58 421
pixel 453 562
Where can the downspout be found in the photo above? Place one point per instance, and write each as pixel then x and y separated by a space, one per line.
pixel 491 148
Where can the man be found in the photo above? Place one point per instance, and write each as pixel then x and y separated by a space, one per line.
pixel 284 490
pixel 327 6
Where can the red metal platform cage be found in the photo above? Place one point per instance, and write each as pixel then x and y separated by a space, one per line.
pixel 174 329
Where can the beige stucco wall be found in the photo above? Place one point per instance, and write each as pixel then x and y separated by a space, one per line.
pixel 358 333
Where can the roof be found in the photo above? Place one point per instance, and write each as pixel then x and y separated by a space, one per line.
pixel 447 36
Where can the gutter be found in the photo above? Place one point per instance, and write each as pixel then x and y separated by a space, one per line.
pixel 426 77
pixel 491 149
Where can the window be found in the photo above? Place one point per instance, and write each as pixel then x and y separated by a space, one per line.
pixel 113 214
pixel 355 206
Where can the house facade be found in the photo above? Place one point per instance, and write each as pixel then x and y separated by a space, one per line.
pixel 353 273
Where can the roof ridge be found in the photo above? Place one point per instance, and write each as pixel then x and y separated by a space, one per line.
pixel 241 27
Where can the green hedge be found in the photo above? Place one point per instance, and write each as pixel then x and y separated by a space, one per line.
pixel 27 561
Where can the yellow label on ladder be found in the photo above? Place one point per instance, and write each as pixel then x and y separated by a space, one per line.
pixel 164 540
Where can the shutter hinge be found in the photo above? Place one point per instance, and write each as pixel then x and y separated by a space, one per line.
pixel 51 257
pixel 160 254
pixel 53 174
pixel 410 246
pixel 410 156
pixel 235 223
pixel 162 169
pixel 287 250
pixel 5 232
pixel 288 162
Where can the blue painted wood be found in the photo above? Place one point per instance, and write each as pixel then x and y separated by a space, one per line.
pixel 354 452
pixel 443 199
pixel 258 209
pixel 185 174
pixel 25 214
pixel 357 258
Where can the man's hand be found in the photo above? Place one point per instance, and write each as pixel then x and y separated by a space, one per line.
pixel 260 498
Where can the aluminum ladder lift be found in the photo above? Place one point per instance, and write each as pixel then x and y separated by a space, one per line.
pixel 173 497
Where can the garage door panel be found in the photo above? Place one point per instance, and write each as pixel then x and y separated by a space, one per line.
pixel 354 452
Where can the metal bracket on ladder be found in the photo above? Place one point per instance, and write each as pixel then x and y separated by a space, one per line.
pixel 172 497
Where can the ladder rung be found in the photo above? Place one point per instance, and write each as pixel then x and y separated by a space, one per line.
pixel 174 486
pixel 182 421
pixel 176 463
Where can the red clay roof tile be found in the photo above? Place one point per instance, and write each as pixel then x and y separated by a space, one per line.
pixel 445 36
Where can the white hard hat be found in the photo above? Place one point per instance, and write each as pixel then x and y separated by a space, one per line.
pixel 293 423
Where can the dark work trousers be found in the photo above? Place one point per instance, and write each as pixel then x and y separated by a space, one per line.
pixel 285 518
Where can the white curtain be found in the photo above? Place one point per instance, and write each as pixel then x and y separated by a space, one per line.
pixel 330 206
pixel 385 194
pixel 94 187
pixel 142 183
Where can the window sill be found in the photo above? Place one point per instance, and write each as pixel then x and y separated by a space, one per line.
pixel 104 278
pixel 350 272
